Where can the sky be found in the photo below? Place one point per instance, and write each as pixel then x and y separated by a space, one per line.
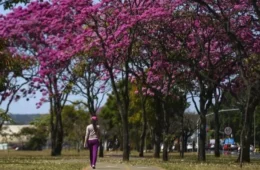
pixel 29 107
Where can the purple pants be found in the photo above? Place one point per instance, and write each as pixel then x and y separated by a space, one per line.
pixel 93 151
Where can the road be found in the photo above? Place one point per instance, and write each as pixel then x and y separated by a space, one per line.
pixel 252 155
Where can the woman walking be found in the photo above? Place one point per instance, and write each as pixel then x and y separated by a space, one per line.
pixel 92 140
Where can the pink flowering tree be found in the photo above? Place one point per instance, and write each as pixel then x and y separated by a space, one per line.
pixel 112 31
pixel 160 82
pixel 160 71
pixel 210 64
pixel 15 73
pixel 202 52
pixel 181 45
pixel 240 22
pixel 45 32
pixel 209 55
pixel 113 39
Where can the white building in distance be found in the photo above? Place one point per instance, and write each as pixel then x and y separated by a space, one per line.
pixel 9 134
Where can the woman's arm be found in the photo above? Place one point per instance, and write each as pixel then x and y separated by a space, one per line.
pixel 86 138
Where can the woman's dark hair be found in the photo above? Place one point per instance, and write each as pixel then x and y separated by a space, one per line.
pixel 94 123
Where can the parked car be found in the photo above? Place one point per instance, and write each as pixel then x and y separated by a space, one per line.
pixel 233 147
pixel 230 147
pixel 252 149
pixel 189 147
pixel 173 147
pixel 211 146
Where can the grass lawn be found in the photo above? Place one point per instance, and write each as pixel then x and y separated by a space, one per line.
pixel 41 160
pixel 71 160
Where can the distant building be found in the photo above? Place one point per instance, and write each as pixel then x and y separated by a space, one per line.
pixel 10 130
pixel 3 146
pixel 9 134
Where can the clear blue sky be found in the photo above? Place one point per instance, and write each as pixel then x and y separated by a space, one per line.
pixel 29 107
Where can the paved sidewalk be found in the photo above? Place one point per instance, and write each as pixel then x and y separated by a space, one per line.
pixel 113 166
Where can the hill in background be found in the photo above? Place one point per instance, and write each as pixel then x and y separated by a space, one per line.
pixel 24 119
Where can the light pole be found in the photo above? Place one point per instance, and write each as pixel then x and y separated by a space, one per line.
pixel 198 132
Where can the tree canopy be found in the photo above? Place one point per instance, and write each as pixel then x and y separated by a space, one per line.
pixel 169 48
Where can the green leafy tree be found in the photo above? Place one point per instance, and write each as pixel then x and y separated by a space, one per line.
pixel 141 118
pixel 75 121
pixel 110 120
pixel 8 4
pixel 15 72
pixel 88 84
pixel 38 135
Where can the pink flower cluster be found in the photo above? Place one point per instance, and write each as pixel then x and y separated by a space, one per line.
pixel 168 41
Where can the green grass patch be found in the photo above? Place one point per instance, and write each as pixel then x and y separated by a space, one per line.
pixel 190 162
pixel 71 160
pixel 41 160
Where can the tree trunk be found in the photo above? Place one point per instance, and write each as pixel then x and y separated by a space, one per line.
pixel 185 141
pixel 165 140
pixel 205 101
pixel 56 127
pixel 78 147
pixel 53 129
pixel 144 129
pixel 181 147
pixel 126 146
pixel 143 136
pixel 157 142
pixel 57 137
pixel 244 155
pixel 247 116
pixel 216 134
pixel 165 150
pixel 122 99
pixel 157 129
pixel 202 138
pixel 53 142
pixel 182 137
pixel 57 140
pixel 165 129
pixel 101 148
pixel 157 146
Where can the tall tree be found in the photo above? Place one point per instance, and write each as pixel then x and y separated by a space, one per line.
pixel 33 34
pixel 111 121
pixel 114 42
pixel 89 83
pixel 75 120
pixel 239 22
pixel 38 134
pixel 219 94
